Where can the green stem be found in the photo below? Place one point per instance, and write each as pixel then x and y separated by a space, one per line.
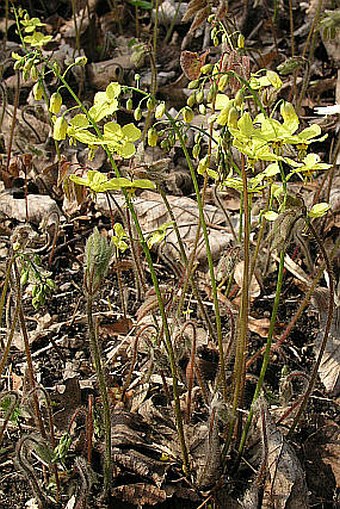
pixel 241 345
pixel 167 334
pixel 186 262
pixel 327 328
pixel 266 356
pixel 4 293
pixel 173 22
pixel 30 368
pixel 208 251
pixel 95 352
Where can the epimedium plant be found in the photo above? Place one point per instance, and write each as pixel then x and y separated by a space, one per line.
pixel 251 142
pixel 115 139
pixel 248 140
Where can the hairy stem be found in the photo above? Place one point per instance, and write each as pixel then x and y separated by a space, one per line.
pixel 266 356
pixel 95 352
pixel 327 328
pixel 208 252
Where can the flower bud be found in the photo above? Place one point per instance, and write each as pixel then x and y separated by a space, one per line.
pixel 193 84
pixel 188 114
pixel 191 101
pixel 240 41
pixel 238 98
pixel 60 129
pixel 129 104
pixel 150 103
pixel 81 61
pixel 160 110
pixel 56 102
pixel 223 82
pixel 28 64
pixel 206 69
pixel 17 65
pixel 196 150
pixel 152 137
pixel 232 117
pixel 56 68
pixel 34 73
pixel 203 165
pixel 222 118
pixel 200 97
pixel 38 91
pixel 138 113
pixel 212 92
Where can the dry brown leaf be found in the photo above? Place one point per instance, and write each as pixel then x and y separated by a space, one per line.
pixel 145 494
pixel 17 382
pixel 285 486
pixel 193 7
pixel 254 287
pixel 29 130
pixel 259 325
pixel 152 214
pixel 119 327
pixel 322 453
pixel 329 369
pixel 39 207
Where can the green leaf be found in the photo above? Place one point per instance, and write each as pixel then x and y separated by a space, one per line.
pixel 144 184
pixel 142 4
pixel 83 136
pixel 37 39
pixel 112 91
pixel 126 150
pixel 119 139
pixel 310 132
pixel 221 101
pixel 272 170
pixel 124 183
pixel 131 132
pixel 212 174
pixel 312 162
pixel 290 119
pixel 105 103
pixel 159 235
pixel 79 121
pixel 274 79
pixel 319 210
pixel 270 215
pixel 31 24
pixel 245 125
pixel 94 180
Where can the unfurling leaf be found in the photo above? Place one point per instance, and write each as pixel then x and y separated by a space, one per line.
pixel 98 254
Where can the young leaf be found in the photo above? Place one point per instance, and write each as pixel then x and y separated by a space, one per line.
pixel 94 180
pixel 270 215
pixel 290 119
pixel 319 209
